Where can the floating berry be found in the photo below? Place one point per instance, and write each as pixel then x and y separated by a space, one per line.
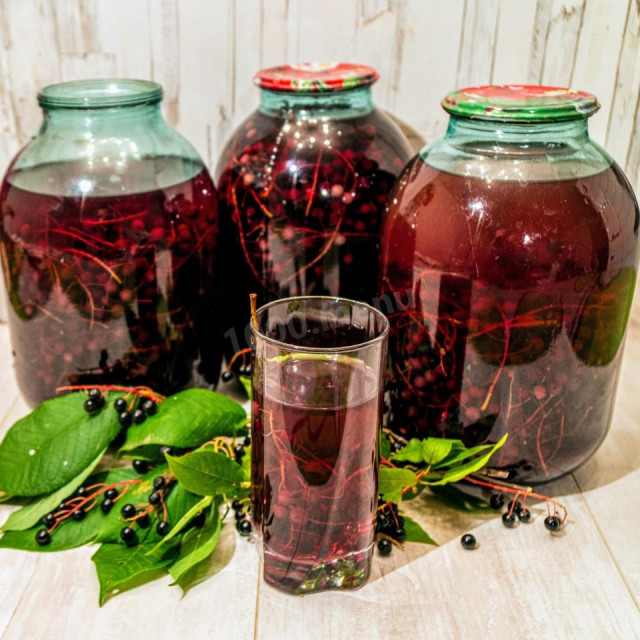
pixel 106 505
pixel 199 519
pixel 163 528
pixel 384 547
pixel 509 520
pixel 112 494
pixel 149 407
pixel 125 419
pixel 496 501
pixel 91 406
pixel 138 416
pixel 128 535
pixel 468 541
pixel 227 376
pixel 128 511
pixel 120 405
pixel 43 538
pixel 553 523
pixel 155 498
pixel 158 482
pixel 243 527
pixel 515 506
pixel 141 466
pixel 49 520
pixel 524 515
pixel 79 514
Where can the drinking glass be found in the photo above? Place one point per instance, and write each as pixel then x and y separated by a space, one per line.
pixel 318 379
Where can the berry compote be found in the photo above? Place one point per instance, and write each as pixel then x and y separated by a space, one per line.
pixel 109 267
pixel 509 264
pixel 303 183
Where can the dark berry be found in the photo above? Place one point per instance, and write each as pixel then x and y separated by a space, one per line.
pixel 112 494
pixel 515 506
pixel 227 376
pixel 383 521
pixel 524 515
pixel 62 507
pixel 125 419
pixel 163 527
pixel 154 498
pixel 238 450
pixel 91 406
pixel 128 535
pixel 43 538
pixel 468 541
pixel 81 492
pixel 106 505
pixel 100 401
pixel 199 519
pixel 149 407
pixel 496 501
pixel 239 515
pixel 120 405
pixel 509 520
pixel 138 416
pixel 247 441
pixel 79 514
pixel 384 547
pixel 236 505
pixel 128 511
pixel 399 520
pixel 144 521
pixel 552 523
pixel 158 482
pixel 166 451
pixel 49 520
pixel 243 370
pixel 141 466
pixel 243 527
pixel 400 535
pixel 95 394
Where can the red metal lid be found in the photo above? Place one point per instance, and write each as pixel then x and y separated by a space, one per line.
pixel 309 77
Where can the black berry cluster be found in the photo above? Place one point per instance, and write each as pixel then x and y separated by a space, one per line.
pixel 516 512
pixel 389 526
pixel 243 526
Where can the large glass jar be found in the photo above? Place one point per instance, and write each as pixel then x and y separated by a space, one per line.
pixel 303 183
pixel 108 227
pixel 509 264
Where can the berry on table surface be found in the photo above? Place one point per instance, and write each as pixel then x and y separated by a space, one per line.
pixel 384 547
pixel 496 501
pixel 509 520
pixel 468 541
pixel 553 523
pixel 524 515
pixel 243 527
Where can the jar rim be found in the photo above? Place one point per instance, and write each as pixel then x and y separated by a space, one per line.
pixel 99 93
pixel 520 103
pixel 316 77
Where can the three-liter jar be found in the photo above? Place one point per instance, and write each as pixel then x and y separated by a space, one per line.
pixel 108 230
pixel 509 265
pixel 303 183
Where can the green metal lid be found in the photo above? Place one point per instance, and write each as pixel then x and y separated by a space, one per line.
pixel 520 103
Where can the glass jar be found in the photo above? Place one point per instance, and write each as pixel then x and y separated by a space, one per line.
pixel 303 183
pixel 108 228
pixel 509 264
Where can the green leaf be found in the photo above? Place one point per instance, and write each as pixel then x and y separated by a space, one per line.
pixel 246 383
pixel 415 533
pixel 393 481
pixel 118 565
pixel 187 419
pixel 197 544
pixel 385 446
pixel 32 513
pixel 457 499
pixel 461 453
pixel 411 452
pixel 456 474
pixel 206 472
pixel 52 445
pixel 184 520
pixel 435 449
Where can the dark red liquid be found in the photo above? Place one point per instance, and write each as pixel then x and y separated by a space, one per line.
pixel 508 307
pixel 110 289
pixel 301 207
pixel 315 472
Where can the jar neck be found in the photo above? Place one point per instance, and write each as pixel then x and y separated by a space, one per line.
pixel 566 133
pixel 102 119
pixel 332 104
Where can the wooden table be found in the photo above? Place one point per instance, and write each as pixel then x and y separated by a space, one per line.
pixel 521 583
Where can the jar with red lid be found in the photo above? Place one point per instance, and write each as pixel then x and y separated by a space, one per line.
pixel 509 264
pixel 108 231
pixel 303 183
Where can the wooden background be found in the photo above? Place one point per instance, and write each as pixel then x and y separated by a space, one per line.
pixel 205 52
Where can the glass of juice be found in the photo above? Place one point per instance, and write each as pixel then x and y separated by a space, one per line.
pixel 318 380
